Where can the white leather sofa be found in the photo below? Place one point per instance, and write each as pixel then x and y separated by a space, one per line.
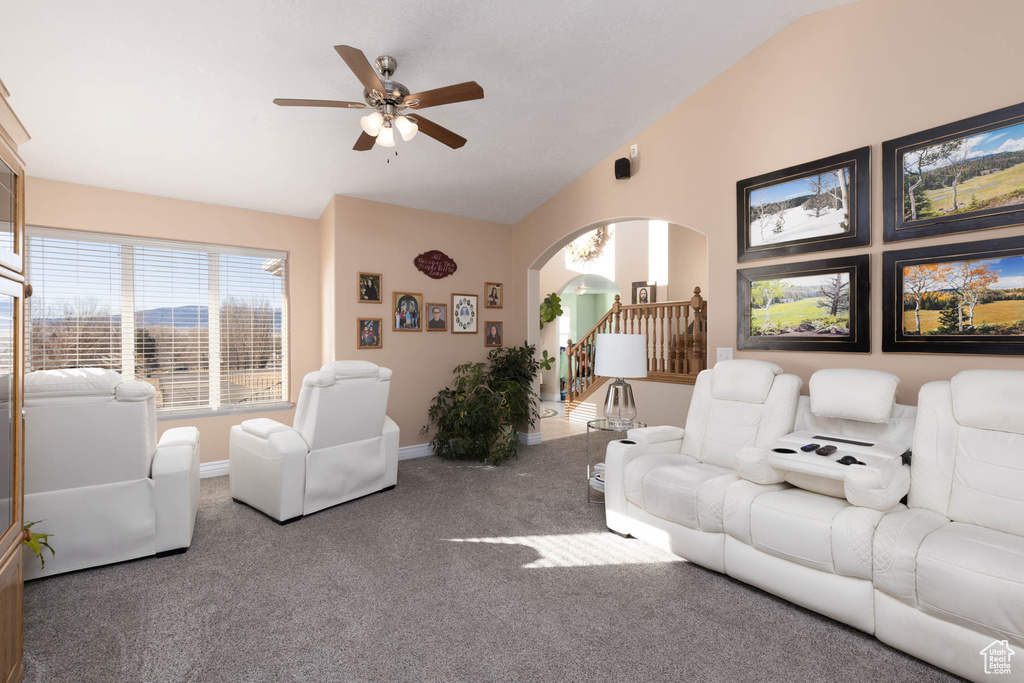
pixel 94 471
pixel 667 485
pixel 342 445
pixel 795 532
pixel 949 569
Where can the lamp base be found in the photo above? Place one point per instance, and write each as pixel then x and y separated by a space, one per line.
pixel 619 408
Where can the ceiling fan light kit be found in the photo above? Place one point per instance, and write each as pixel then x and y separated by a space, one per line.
pixel 390 100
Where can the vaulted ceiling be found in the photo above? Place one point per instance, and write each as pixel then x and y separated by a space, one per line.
pixel 174 98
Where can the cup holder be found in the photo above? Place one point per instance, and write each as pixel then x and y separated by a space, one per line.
pixel 783 450
pixel 628 442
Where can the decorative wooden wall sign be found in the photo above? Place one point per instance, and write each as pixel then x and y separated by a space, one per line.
pixel 436 264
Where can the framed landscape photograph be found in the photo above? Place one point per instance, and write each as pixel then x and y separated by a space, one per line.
pixel 368 333
pixel 811 306
pixel 644 293
pixel 817 206
pixel 464 308
pixel 494 295
pixel 369 288
pixel 437 317
pixel 955 298
pixel 960 177
pixel 407 309
pixel 494 333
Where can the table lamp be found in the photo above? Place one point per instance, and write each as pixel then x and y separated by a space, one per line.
pixel 620 356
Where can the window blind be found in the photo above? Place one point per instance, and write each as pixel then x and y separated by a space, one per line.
pixel 205 325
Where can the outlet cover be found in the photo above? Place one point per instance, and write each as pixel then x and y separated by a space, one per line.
pixel 724 353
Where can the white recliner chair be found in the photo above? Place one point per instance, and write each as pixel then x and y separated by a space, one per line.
pixel 949 570
pixel 342 445
pixel 667 485
pixel 94 471
pixel 811 542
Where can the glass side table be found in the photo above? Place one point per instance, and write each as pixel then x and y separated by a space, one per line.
pixel 595 495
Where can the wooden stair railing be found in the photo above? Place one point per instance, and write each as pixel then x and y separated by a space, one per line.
pixel 676 344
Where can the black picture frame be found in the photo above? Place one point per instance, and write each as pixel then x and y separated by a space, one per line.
pixel 858 339
pixel 894 265
pixel 895 227
pixel 858 231
pixel 651 291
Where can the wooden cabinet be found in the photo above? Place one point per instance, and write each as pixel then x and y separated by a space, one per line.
pixel 12 288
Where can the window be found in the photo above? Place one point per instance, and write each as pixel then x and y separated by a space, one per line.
pixel 205 325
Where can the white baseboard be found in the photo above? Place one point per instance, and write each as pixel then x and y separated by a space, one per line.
pixel 551 398
pixel 420 450
pixel 219 468
pixel 531 439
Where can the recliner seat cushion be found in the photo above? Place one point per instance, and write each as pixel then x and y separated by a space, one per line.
pixel 691 495
pixel 973 576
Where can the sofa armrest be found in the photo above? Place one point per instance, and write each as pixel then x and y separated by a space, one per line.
pixel 878 488
pixel 175 475
pixel 658 434
pixel 619 454
pixel 894 553
pixel 753 464
pixel 268 467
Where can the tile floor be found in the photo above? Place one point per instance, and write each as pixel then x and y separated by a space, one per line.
pixel 558 427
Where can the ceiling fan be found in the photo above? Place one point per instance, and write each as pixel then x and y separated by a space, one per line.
pixel 390 101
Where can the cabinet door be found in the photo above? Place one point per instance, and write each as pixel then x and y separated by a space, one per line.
pixel 12 193
pixel 11 478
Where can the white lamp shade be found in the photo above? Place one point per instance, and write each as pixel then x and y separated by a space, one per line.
pixel 386 137
pixel 621 355
pixel 371 123
pixel 407 127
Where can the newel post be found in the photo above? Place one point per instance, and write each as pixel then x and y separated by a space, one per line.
pixel 617 313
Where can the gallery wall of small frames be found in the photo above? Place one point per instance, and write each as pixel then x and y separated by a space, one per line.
pixel 967 297
pixel 410 313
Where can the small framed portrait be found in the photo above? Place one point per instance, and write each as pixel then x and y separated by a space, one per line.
pixel 369 288
pixel 464 320
pixel 644 293
pixel 494 333
pixel 408 307
pixel 494 295
pixel 437 317
pixel 368 333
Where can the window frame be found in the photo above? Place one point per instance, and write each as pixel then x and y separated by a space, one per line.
pixel 212 252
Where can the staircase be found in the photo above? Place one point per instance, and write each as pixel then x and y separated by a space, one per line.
pixel 676 344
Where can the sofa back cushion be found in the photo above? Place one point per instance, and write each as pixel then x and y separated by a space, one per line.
pixel 969 449
pixel 853 394
pixel 344 401
pixel 737 404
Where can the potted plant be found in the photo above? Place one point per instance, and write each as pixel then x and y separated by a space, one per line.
pixel 36 542
pixel 477 417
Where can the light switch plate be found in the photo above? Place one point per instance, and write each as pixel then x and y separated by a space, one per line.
pixel 724 353
pixel 633 151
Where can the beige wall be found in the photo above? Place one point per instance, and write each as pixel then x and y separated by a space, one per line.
pixel 55 204
pixel 687 262
pixel 828 83
pixel 381 238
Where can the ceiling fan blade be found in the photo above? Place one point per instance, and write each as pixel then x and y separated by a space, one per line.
pixel 462 92
pixel 439 133
pixel 319 103
pixel 360 66
pixel 364 143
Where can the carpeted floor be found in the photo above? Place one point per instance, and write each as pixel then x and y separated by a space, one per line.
pixel 462 573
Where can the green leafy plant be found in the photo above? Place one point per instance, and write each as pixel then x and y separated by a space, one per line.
pixel 476 418
pixel 550 309
pixel 546 360
pixel 37 541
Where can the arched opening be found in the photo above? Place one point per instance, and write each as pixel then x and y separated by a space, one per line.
pixel 666 260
